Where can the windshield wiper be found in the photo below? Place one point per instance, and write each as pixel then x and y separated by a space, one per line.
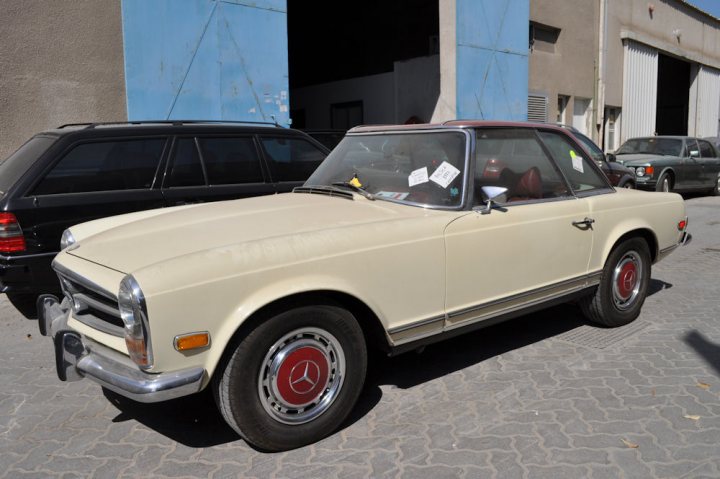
pixel 355 188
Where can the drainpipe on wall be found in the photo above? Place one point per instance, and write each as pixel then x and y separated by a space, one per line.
pixel 599 110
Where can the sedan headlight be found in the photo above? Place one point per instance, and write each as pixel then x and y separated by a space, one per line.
pixel 133 312
pixel 67 239
pixel 640 171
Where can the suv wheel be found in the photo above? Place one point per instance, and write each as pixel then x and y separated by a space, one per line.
pixel 664 183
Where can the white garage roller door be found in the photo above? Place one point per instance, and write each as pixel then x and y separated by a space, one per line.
pixel 639 104
pixel 708 104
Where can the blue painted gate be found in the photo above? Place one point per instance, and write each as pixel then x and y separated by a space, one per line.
pixel 206 59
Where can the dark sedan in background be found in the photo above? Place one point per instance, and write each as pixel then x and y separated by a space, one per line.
pixel 672 163
pixel 619 175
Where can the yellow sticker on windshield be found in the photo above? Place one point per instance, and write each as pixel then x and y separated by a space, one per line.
pixel 355 182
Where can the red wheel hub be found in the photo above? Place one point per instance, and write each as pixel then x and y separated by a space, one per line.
pixel 627 280
pixel 303 376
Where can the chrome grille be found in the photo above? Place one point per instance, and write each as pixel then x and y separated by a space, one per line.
pixel 91 305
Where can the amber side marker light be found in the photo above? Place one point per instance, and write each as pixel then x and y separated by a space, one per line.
pixel 187 342
pixel 649 170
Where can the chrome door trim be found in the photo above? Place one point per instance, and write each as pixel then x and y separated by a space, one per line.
pixel 461 318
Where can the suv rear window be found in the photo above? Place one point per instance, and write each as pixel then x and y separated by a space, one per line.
pixel 104 166
pixel 15 165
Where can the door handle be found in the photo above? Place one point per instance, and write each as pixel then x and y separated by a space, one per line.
pixel 585 223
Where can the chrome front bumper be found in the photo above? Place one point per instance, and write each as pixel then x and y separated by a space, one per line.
pixel 77 357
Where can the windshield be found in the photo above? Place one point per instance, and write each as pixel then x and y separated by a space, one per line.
pixel 652 146
pixel 420 168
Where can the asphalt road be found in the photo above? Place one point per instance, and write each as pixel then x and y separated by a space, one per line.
pixel 542 396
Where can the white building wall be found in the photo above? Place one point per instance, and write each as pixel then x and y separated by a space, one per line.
pixel 639 99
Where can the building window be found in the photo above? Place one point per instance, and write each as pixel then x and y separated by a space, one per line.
pixel 562 104
pixel 543 38
pixel 344 116
pixel 581 108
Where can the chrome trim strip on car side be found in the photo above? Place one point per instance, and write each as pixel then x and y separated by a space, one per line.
pixel 25 256
pixel 419 330
pixel 72 275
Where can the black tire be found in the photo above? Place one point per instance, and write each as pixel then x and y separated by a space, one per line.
pixel 715 191
pixel 629 185
pixel 623 286
pixel 261 399
pixel 664 183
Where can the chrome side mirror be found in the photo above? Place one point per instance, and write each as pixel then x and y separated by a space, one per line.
pixel 491 193
pixel 694 154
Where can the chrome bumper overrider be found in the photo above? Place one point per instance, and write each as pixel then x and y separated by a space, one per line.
pixel 76 358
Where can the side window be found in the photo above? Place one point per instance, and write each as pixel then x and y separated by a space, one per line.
pixel 231 160
pixel 291 159
pixel 104 166
pixel 513 159
pixel 186 169
pixel 577 169
pixel 706 149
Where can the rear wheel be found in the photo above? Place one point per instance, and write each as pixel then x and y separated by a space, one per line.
pixel 294 378
pixel 715 191
pixel 623 286
pixel 665 183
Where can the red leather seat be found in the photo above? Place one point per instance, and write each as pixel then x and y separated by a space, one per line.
pixel 528 187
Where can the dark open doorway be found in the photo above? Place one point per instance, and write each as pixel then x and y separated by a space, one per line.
pixel 673 96
pixel 375 61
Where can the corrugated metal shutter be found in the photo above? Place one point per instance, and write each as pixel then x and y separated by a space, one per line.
pixel 639 104
pixel 537 108
pixel 708 105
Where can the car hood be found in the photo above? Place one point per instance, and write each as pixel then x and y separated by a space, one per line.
pixel 179 232
pixel 638 159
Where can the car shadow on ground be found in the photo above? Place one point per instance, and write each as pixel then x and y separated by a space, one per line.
pixel 708 350
pixel 194 421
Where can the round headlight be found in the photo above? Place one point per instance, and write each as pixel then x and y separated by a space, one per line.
pixel 67 239
pixel 640 171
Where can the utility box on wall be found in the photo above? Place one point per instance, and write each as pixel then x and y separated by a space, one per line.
pixel 206 59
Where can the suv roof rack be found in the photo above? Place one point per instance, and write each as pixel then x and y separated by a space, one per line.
pixel 91 125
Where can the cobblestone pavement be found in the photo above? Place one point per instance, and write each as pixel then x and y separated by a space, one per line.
pixel 542 396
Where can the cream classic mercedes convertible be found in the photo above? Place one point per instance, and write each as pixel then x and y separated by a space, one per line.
pixel 403 236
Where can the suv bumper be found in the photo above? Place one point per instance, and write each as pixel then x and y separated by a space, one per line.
pixel 27 273
pixel 77 357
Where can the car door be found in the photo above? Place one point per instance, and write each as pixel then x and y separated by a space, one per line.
pixel 291 160
pixel 92 179
pixel 710 164
pixel 690 174
pixel 213 168
pixel 536 246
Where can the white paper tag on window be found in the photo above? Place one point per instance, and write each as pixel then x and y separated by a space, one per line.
pixel 418 176
pixel 577 162
pixel 444 175
pixel 392 195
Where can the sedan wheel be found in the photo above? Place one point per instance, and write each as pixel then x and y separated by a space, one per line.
pixel 664 183
pixel 716 189
pixel 623 285
pixel 293 378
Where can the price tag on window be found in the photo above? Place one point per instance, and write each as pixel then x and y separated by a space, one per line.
pixel 577 162
pixel 418 177
pixel 445 174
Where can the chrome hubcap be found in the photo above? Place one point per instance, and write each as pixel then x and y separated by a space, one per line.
pixel 301 375
pixel 627 280
pixel 666 185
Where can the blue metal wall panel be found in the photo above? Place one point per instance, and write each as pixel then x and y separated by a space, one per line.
pixel 206 59
pixel 492 59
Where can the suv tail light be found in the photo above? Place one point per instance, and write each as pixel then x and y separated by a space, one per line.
pixel 11 236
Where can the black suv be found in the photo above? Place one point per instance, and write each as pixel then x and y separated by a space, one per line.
pixel 80 172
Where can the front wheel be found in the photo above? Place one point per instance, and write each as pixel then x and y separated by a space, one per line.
pixel 664 183
pixel 715 191
pixel 623 285
pixel 294 378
